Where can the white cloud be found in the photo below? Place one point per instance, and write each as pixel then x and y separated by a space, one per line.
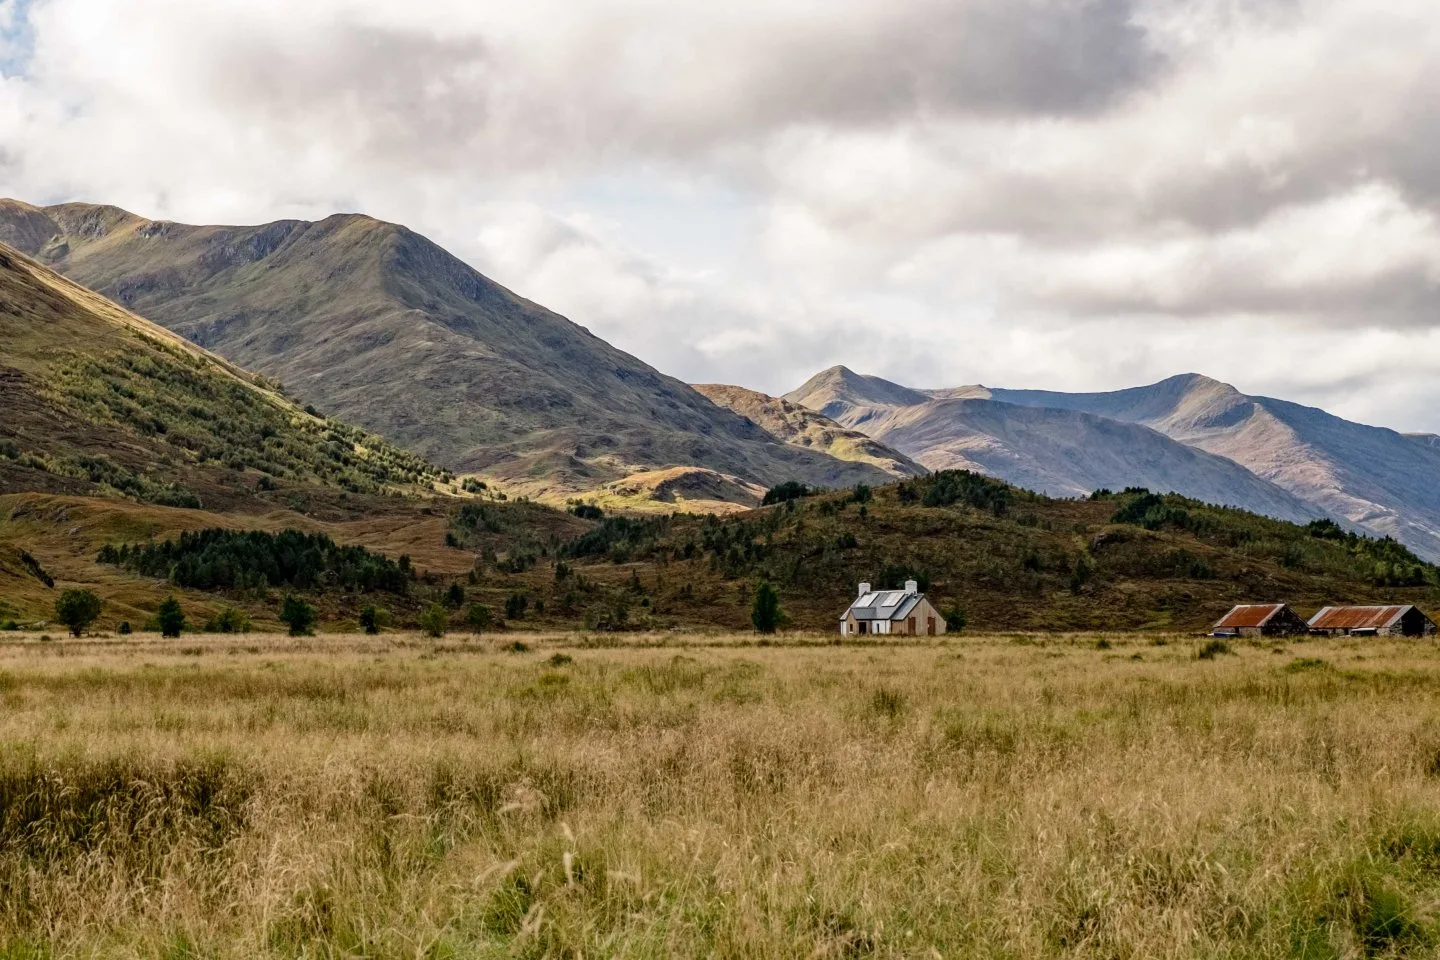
pixel 1063 193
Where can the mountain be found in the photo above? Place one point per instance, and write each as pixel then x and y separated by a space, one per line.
pixel 1063 453
pixel 1380 480
pixel 802 427
pixel 1425 439
pixel 376 324
pixel 99 400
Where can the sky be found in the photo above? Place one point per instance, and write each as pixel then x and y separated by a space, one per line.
pixel 1058 194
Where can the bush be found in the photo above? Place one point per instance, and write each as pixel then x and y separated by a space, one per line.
pixel 479 617
pixel 515 606
pixel 955 619
pixel 124 629
pixel 228 620
pixel 373 619
pixel 765 612
pixel 77 609
pixel 455 596
pixel 588 511
pixel 9 626
pixel 434 621
pixel 170 618
pixel 1212 649
pixel 298 615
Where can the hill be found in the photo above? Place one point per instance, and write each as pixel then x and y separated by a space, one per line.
pixel 1011 559
pixel 803 427
pixel 375 324
pixel 1062 453
pixel 1377 479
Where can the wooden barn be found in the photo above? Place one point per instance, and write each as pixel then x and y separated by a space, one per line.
pixel 892 612
pixel 1392 621
pixel 1260 620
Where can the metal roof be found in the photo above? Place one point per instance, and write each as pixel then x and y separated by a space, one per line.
pixel 1249 615
pixel 884 605
pixel 1358 618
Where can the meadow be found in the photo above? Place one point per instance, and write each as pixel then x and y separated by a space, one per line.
pixel 687 795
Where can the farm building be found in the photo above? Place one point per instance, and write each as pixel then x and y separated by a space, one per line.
pixel 1393 621
pixel 1260 620
pixel 892 612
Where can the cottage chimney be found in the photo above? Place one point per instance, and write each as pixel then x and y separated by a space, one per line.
pixel 864 589
pixel 911 586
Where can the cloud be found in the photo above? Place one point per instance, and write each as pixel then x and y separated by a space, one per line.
pixel 1069 193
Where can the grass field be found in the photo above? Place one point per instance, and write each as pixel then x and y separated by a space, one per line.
pixel 679 796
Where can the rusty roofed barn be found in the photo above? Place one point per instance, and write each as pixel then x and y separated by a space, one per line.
pixel 1393 621
pixel 1260 620
pixel 892 611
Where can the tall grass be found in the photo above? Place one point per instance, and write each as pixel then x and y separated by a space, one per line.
pixel 990 797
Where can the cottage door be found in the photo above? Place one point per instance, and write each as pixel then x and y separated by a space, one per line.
pixel 912 626
pixel 930 625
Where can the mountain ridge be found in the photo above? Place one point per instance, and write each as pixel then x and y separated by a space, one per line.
pixel 379 325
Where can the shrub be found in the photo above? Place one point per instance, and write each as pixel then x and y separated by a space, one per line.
pixel 77 609
pixel 588 511
pixel 373 619
pixel 228 620
pixel 36 571
pixel 515 606
pixel 479 617
pixel 765 612
pixel 170 618
pixel 455 596
pixel 124 629
pixel 955 619
pixel 434 621
pixel 298 615
pixel 1212 649
pixel 9 626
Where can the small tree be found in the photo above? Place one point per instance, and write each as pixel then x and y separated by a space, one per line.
pixel 170 618
pixel 298 615
pixel 77 609
pixel 765 612
pixel 434 621
pixel 955 619
pixel 479 617
pixel 455 596
pixel 373 619
pixel 515 606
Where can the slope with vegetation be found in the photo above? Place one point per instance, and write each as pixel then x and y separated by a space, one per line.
pixel 381 327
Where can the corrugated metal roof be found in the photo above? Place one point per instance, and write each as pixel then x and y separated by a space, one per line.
pixel 1249 615
pixel 884 605
pixel 1357 618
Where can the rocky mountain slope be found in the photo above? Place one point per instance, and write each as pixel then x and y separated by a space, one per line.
pixel 379 326
pixel 1378 479
pixel 803 427
pixel 1063 453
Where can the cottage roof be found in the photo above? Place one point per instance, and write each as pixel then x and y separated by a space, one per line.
pixel 1358 618
pixel 884 605
pixel 1249 615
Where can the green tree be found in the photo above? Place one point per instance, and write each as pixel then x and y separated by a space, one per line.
pixel 77 609
pixel 479 617
pixel 373 618
pixel 434 621
pixel 955 619
pixel 455 596
pixel 298 615
pixel 765 612
pixel 515 606
pixel 170 618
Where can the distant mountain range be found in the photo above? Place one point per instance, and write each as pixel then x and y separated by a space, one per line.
pixel 1188 434
pixel 375 324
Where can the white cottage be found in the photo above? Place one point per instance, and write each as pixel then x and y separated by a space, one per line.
pixel 892 611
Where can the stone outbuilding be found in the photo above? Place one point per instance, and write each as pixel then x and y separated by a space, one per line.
pixel 1260 620
pixel 1392 621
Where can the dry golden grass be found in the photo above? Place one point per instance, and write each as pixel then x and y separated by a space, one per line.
pixel 704 796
